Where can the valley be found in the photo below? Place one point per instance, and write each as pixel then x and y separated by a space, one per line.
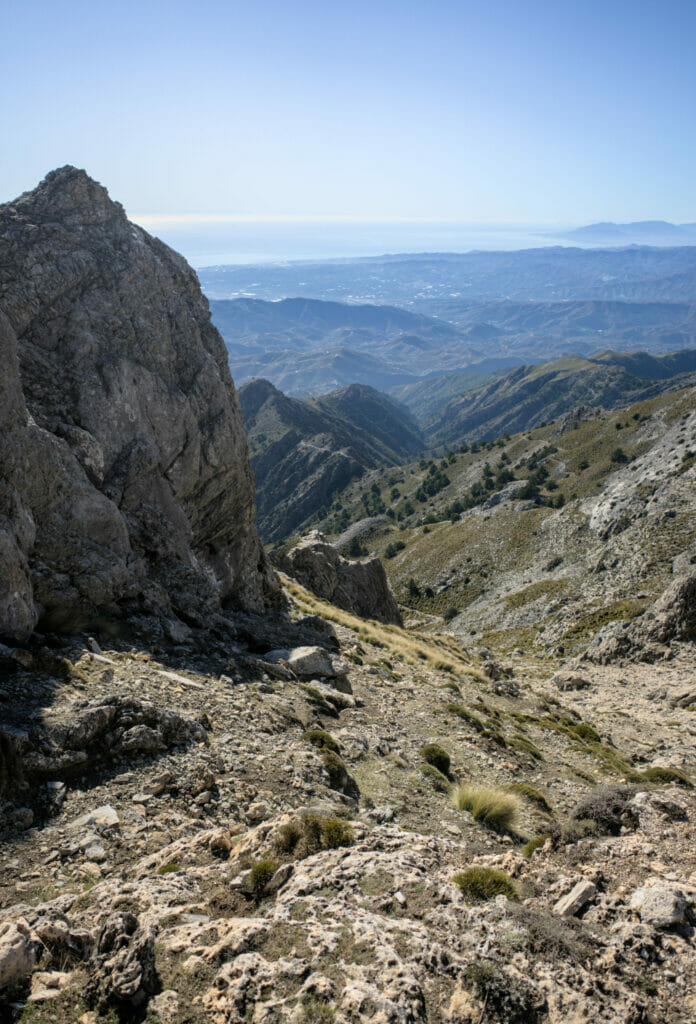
pixel 434 763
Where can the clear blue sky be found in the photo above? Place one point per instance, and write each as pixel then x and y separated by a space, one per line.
pixel 503 110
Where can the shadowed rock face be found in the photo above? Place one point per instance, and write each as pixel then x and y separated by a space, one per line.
pixel 360 587
pixel 124 476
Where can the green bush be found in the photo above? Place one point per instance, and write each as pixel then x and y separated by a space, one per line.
pixel 450 613
pixel 260 875
pixel 667 776
pixel 438 780
pixel 335 833
pixel 322 739
pixel 437 756
pixel 485 884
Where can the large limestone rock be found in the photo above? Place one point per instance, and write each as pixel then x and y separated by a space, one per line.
pixel 124 478
pixel 671 617
pixel 360 587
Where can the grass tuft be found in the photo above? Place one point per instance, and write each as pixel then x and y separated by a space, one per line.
pixel 491 805
pixel 482 884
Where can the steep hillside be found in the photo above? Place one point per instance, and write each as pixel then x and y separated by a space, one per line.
pixel 303 452
pixel 124 474
pixel 530 395
pixel 540 538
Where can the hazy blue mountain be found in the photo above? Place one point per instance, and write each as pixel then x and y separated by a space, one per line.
pixel 308 346
pixel 639 232
pixel 426 282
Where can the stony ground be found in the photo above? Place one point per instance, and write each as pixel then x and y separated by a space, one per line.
pixel 176 849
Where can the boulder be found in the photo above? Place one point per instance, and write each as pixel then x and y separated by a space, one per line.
pixel 660 906
pixel 21 953
pixel 671 617
pixel 360 587
pixel 124 475
pixel 578 897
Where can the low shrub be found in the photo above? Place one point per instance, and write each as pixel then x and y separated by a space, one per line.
pixel 604 806
pixel 260 875
pixel 450 613
pixel 667 776
pixel 482 884
pixel 438 781
pixel 437 756
pixel 322 739
pixel 490 805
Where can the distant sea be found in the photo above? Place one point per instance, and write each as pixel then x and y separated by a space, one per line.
pixel 207 243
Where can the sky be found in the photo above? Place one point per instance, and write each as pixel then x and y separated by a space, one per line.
pixel 498 111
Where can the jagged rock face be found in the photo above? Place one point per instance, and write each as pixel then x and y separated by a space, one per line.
pixel 124 477
pixel 671 617
pixel 360 587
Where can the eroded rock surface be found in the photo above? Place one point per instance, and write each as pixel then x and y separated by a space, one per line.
pixel 124 477
pixel 359 587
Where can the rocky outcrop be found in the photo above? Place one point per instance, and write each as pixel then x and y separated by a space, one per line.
pixel 671 617
pixel 360 587
pixel 124 477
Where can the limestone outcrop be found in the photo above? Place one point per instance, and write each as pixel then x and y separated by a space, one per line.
pixel 360 587
pixel 124 478
pixel 671 617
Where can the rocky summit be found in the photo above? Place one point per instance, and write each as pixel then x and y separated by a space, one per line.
pixel 438 768
pixel 125 483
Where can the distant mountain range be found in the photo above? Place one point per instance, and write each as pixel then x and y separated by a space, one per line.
pixel 429 282
pixel 309 346
pixel 638 232
pixel 302 453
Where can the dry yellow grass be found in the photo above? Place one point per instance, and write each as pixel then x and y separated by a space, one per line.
pixel 437 651
pixel 490 805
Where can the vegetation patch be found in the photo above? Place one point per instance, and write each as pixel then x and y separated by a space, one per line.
pixel 491 805
pixel 437 756
pixel 480 884
pixel 532 794
pixel 322 739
